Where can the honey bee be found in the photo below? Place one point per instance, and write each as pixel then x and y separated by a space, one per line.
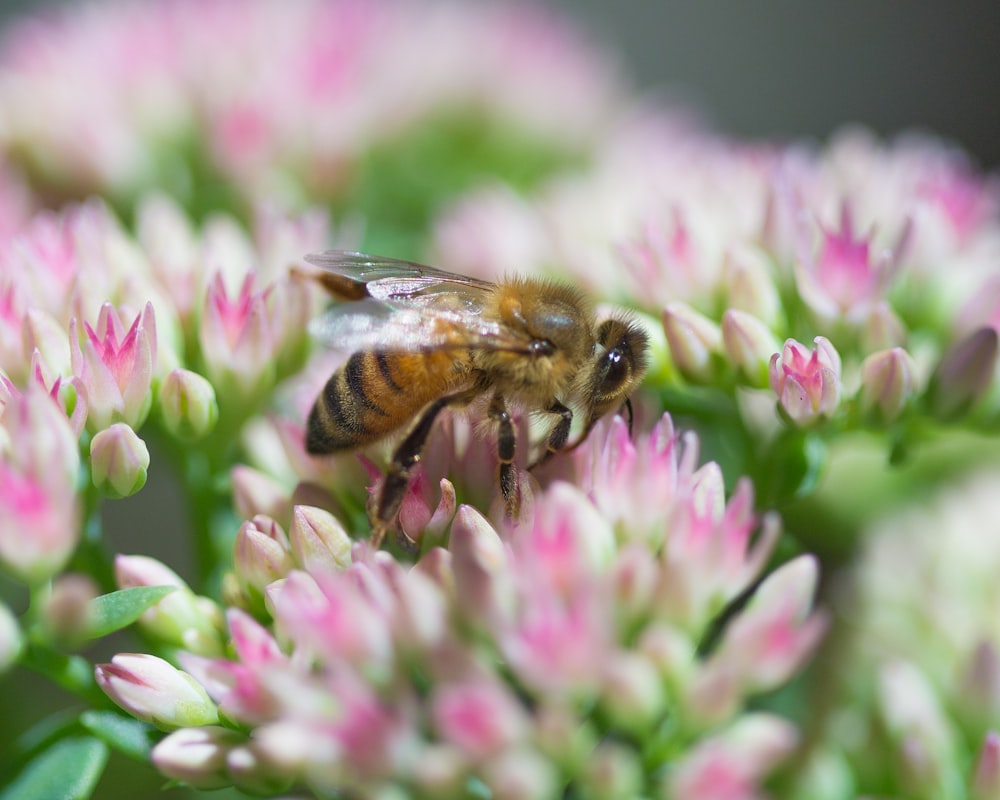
pixel 424 340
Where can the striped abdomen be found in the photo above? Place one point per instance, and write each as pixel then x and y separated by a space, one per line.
pixel 376 393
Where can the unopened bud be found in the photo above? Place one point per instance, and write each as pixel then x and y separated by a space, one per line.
pixel 260 554
pixel 197 756
pixel 752 287
pixel 188 404
pixel 964 373
pixel 119 460
pixel 888 381
pixel 318 541
pixel 11 638
pixel 153 690
pixel 986 777
pixel 694 341
pixel 749 345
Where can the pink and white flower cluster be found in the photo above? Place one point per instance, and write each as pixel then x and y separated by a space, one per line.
pixel 280 100
pixel 562 653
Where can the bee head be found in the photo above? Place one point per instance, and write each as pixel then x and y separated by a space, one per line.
pixel 621 358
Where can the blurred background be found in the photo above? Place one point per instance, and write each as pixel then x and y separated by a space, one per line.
pixel 789 69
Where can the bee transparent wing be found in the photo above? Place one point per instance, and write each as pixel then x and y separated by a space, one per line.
pixel 399 282
pixel 372 325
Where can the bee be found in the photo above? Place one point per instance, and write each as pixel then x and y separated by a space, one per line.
pixel 424 340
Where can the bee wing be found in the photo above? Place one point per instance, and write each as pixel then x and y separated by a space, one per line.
pixel 369 324
pixel 400 282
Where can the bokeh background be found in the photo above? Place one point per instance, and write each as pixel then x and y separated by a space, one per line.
pixel 794 68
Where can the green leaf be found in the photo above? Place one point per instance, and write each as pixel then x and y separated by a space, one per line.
pixel 131 737
pixel 68 770
pixel 114 611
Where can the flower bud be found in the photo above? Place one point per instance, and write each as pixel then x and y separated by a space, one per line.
pixel 155 691
pixel 807 383
pixel 964 373
pixel 44 333
pixel 888 381
pixel 115 366
pixel 188 405
pixel 119 460
pixel 612 771
pixel 197 756
pixel 521 775
pixel 694 340
pixel 632 691
pixel 749 345
pixel 66 611
pixel 752 287
pixel 256 493
pixel 318 541
pixel 479 718
pixel 181 618
pixel 260 554
pixel 254 773
pixel 38 477
pixel 986 776
pixel 11 638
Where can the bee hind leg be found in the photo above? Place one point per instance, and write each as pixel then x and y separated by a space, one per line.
pixel 405 457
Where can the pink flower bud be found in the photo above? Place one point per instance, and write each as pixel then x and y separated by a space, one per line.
pixel 197 756
pixel 260 554
pixel 154 691
pixel 188 405
pixel 964 373
pixel 749 345
pixel 888 382
pixel 695 341
pixel 39 528
pixel 115 366
pixel 479 564
pixel 776 632
pixel 42 332
pixel 986 775
pixel 732 764
pixel 806 382
pixel 256 493
pixel 318 541
pixel 478 718
pixel 118 461
pixel 237 341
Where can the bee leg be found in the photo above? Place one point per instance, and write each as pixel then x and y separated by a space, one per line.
pixel 506 443
pixel 628 406
pixel 405 457
pixel 559 434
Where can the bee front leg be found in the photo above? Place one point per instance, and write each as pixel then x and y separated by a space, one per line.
pixel 405 457
pixel 506 445
pixel 559 434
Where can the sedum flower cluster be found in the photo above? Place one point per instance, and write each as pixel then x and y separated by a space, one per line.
pixel 823 331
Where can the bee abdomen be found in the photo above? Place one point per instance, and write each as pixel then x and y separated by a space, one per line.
pixel 372 395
